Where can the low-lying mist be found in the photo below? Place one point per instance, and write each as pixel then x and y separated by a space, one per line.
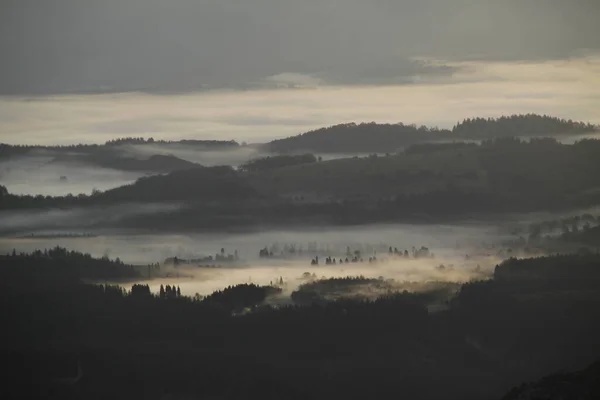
pixel 203 281
pixel 466 251
pixel 206 156
pixel 201 155
pixel 41 175
pixel 47 173
pixel 449 244
pixel 138 248
pixel 74 221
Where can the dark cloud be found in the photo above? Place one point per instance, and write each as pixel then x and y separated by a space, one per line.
pixel 60 46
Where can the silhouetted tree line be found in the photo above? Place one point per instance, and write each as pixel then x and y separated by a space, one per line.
pixel 206 261
pixel 358 138
pixel 580 267
pixel 166 292
pixel 142 290
pixel 563 225
pixel 13 201
pixel 324 290
pixel 239 297
pixel 519 125
pixel 320 291
pixel 191 142
pixel 61 265
pixel 10 150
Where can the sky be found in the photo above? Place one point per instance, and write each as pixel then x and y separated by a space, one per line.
pixel 251 70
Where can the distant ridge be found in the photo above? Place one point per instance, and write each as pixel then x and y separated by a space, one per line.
pixel 385 138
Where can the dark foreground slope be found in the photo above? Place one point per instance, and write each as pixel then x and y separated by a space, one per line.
pixel 495 335
pixel 580 385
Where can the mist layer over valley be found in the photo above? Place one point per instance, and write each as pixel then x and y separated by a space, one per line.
pixel 308 200
pixel 163 200
pixel 354 245
pixel 461 247
pixel 41 175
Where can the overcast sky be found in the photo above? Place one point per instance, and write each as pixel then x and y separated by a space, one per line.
pixel 567 89
pixel 55 46
pixel 222 69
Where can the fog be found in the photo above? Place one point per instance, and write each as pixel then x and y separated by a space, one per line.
pixel 253 71
pixel 40 174
pixel 139 248
pixel 207 157
pixel 449 244
pixel 74 220
pixel 204 156
pixel 204 281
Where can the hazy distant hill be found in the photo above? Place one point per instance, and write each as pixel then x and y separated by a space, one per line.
pixel 426 182
pixel 537 172
pixel 8 150
pixel 211 144
pixel 120 154
pixel 358 138
pixel 156 163
pixel 388 138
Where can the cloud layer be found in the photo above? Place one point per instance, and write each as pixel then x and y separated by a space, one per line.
pixel 568 89
pixel 187 45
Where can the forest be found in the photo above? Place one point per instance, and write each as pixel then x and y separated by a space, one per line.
pixel 234 344
pixel 312 200
pixel 321 291
pixel 7 150
pixel 524 323
pixel 386 138
pixel 442 183
pixel 267 163
pixel 118 154
pixel 60 265
pixel 135 153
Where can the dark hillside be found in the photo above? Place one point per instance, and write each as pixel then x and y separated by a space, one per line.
pixel 199 184
pixel 389 138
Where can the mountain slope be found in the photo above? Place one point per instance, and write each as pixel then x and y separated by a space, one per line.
pixel 389 138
